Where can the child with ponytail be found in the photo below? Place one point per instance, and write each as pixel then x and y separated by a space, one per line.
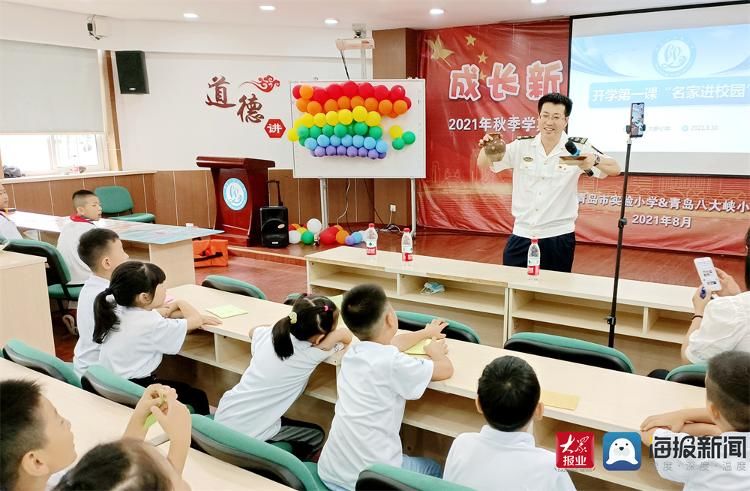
pixel 283 358
pixel 133 334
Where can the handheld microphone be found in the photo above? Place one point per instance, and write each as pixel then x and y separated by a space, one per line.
pixel 575 152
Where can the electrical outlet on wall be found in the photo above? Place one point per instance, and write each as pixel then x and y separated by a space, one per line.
pixel 392 208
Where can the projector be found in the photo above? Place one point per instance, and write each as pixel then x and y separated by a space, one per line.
pixel 355 43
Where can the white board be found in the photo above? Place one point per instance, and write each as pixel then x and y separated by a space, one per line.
pixel 406 163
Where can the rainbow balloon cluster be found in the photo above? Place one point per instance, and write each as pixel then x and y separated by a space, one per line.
pixel 345 119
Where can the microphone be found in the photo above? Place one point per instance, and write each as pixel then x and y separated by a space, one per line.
pixel 575 152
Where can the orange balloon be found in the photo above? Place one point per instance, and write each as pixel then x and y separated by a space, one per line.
pixel 344 102
pixel 330 105
pixel 400 107
pixel 314 107
pixel 393 115
pixel 306 92
pixel 357 101
pixel 341 236
pixel 371 104
pixel 385 107
pixel 302 105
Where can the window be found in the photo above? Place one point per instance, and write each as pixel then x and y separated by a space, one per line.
pixel 53 154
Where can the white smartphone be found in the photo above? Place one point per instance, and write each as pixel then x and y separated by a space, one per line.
pixel 707 273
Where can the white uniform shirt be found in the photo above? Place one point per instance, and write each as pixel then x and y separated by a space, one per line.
pixel 374 383
pixel 732 474
pixel 135 349
pixel 86 352
pixel 545 191
pixel 268 387
pixel 725 326
pixel 67 244
pixel 8 229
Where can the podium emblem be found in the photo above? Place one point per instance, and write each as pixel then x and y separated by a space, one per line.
pixel 235 194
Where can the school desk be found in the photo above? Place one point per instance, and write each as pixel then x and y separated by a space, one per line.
pixel 23 288
pixel 168 246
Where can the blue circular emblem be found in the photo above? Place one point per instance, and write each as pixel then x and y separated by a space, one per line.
pixel 235 194
pixel 674 57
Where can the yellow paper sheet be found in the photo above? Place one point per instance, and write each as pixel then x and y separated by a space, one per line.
pixel 560 400
pixel 418 349
pixel 224 311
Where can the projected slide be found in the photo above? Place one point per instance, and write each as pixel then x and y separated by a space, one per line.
pixel 695 83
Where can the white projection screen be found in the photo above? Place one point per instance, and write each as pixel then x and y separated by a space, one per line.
pixel 691 67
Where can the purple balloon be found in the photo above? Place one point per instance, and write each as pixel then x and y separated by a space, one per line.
pixel 341 150
pixel 330 150
pixel 348 241
pixel 381 155
pixel 351 151
pixel 362 152
pixel 373 154
pixel 320 151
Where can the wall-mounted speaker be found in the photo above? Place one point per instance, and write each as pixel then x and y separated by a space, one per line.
pixel 131 72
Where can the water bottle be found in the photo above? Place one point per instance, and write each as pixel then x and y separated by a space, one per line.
pixel 371 240
pixel 534 260
pixel 407 246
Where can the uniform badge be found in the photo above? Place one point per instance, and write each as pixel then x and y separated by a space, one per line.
pixel 528 159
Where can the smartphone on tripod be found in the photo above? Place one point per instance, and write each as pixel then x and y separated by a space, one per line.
pixel 637 124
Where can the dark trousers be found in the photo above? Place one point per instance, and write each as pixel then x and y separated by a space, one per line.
pixel 305 438
pixel 557 252
pixel 186 394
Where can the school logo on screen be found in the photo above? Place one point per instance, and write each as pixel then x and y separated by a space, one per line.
pixel 235 194
pixel 622 451
pixel 674 57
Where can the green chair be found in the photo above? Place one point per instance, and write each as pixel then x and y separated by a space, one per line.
pixel 570 349
pixel 273 461
pixel 694 374
pixel 414 321
pixel 231 285
pixel 104 383
pixel 381 477
pixel 29 357
pixel 116 200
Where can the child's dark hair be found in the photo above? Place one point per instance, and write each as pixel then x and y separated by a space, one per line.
pixel 123 465
pixel 556 98
pixel 94 244
pixel 728 388
pixel 21 426
pixel 309 316
pixel 362 308
pixel 508 393
pixel 80 196
pixel 129 279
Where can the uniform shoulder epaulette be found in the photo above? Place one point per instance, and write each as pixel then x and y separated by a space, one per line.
pixel 578 139
pixel 525 137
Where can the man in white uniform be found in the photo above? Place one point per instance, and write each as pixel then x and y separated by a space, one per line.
pixel 545 189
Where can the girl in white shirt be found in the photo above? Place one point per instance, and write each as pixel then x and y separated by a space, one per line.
pixel 283 358
pixel 134 336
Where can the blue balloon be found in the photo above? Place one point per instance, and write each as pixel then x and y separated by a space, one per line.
pixel 369 143
pixel 381 146
pixel 346 140
pixel 362 152
pixel 330 150
pixel 310 143
pixel 335 141
pixel 324 141
pixel 358 141
pixel 341 150
pixel 357 237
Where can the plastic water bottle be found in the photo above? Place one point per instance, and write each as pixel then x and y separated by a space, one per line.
pixel 371 240
pixel 534 260
pixel 407 246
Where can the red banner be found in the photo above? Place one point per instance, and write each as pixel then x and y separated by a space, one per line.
pixel 489 78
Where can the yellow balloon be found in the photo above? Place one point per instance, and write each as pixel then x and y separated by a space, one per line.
pixel 359 114
pixel 292 135
pixel 307 120
pixel 373 118
pixel 320 119
pixel 396 131
pixel 301 230
pixel 332 118
pixel 345 116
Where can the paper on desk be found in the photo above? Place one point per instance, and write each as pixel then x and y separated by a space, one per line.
pixel 418 349
pixel 560 400
pixel 224 311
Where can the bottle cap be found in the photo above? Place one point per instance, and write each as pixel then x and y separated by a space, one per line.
pixel 372 225
pixel 407 229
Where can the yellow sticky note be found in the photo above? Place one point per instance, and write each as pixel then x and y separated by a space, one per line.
pixel 224 311
pixel 559 400
pixel 418 349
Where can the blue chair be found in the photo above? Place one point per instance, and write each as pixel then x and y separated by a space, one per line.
pixel 116 200
pixel 100 381
pixel 414 321
pixel 37 360
pixel 232 285
pixel 381 477
pixel 694 374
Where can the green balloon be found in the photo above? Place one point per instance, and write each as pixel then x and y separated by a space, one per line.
pixel 328 130
pixel 308 237
pixel 350 129
pixel 339 130
pixel 409 137
pixel 375 132
pixel 302 142
pixel 315 132
pixel 303 132
pixel 360 129
pixel 398 143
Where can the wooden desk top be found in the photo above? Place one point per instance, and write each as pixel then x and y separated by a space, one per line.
pixel 85 175
pixel 93 419
pixel 11 260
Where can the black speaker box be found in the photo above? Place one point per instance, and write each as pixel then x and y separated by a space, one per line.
pixel 274 223
pixel 131 72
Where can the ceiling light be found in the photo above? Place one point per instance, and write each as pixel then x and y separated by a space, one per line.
pixel 331 22
pixel 538 1
pixel 437 11
pixel 190 15
pixel 267 8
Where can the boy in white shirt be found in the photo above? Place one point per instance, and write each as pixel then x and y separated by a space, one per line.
pixel 726 417
pixel 101 250
pixel 88 210
pixel 8 229
pixel 374 383
pixel 503 454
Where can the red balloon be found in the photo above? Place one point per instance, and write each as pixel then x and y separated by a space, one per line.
pixel 381 92
pixel 295 91
pixel 350 89
pixel 397 92
pixel 320 95
pixel 366 90
pixel 328 236
pixel 335 91
pixel 408 102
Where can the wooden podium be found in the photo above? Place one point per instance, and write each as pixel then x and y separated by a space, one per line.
pixel 241 187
